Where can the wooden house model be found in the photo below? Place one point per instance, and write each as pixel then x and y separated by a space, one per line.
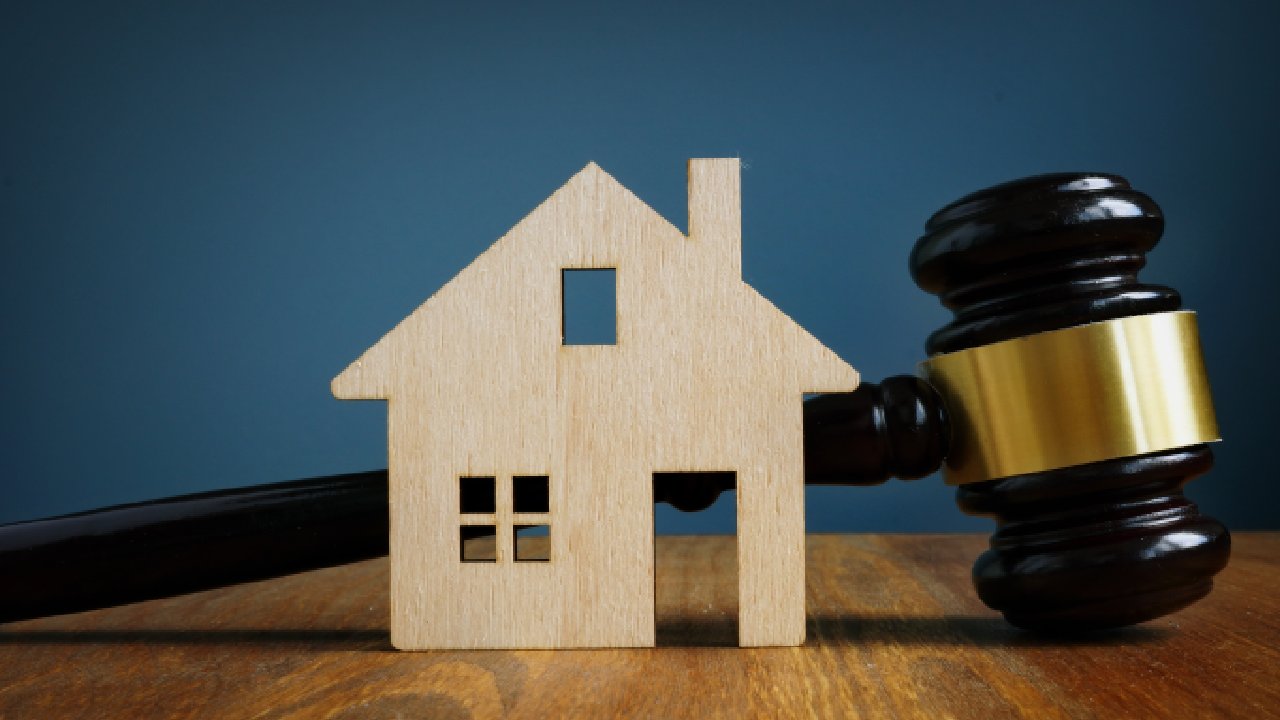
pixel 495 423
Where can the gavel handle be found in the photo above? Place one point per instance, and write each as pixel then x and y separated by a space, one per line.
pixel 177 545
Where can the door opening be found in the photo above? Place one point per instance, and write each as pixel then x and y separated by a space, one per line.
pixel 695 558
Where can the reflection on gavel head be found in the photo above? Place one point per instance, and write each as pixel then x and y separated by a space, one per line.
pixel 1068 400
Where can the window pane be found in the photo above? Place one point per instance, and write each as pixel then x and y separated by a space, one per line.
pixel 589 307
pixel 476 495
pixel 530 494
pixel 478 543
pixel 533 543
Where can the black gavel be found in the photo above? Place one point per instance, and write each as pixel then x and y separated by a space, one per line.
pixel 1067 400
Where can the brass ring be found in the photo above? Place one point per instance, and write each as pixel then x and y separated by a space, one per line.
pixel 1078 395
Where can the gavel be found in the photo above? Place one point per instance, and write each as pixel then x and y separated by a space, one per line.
pixel 1066 400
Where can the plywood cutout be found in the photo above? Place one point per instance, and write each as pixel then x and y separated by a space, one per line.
pixel 704 374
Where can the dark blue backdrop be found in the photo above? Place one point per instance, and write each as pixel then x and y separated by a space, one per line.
pixel 208 209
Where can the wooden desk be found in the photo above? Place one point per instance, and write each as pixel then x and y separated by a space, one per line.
pixel 894 631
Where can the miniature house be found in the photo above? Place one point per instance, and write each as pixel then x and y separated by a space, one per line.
pixel 496 424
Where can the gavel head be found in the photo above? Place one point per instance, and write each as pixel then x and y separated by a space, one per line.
pixel 1076 401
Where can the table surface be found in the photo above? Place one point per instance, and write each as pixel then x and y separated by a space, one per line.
pixel 894 631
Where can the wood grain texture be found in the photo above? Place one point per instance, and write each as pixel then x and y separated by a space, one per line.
pixel 705 375
pixel 894 631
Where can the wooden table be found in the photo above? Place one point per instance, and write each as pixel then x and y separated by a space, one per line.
pixel 894 631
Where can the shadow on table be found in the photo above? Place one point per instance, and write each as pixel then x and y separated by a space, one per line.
pixel 313 639
pixel 963 631
pixel 683 632
pixel 985 632
pixel 701 632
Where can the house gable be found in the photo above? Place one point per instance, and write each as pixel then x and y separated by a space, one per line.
pixel 710 255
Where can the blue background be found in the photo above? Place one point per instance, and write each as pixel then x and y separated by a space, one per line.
pixel 208 209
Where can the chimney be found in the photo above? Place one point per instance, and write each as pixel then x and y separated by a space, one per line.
pixel 715 211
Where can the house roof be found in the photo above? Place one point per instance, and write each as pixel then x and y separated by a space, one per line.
pixel 592 192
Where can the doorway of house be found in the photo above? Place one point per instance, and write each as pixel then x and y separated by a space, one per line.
pixel 695 558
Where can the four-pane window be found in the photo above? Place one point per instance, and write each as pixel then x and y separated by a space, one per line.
pixel 484 511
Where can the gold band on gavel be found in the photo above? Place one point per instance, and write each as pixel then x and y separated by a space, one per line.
pixel 1073 396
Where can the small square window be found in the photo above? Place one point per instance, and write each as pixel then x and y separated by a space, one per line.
pixel 478 543
pixel 530 494
pixel 533 543
pixel 476 495
pixel 589 306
